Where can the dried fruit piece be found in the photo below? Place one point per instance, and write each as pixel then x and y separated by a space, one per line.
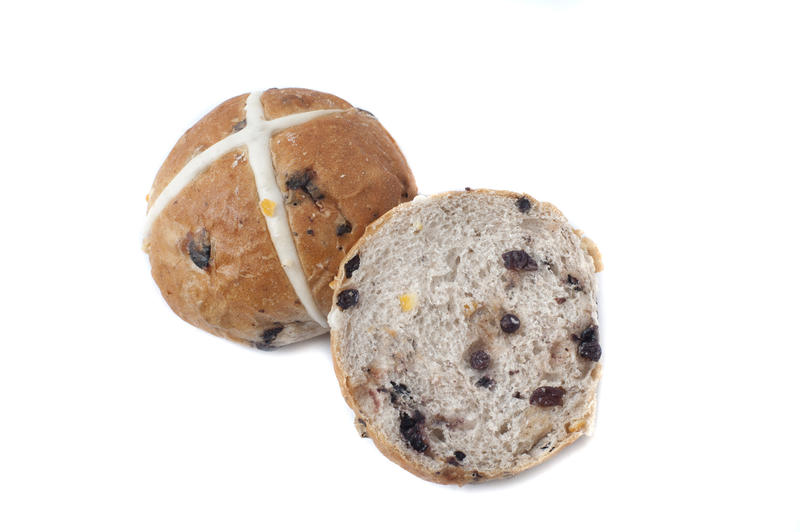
pixel 408 301
pixel 199 248
pixel 267 338
pixel 575 425
pixel 411 430
pixel 480 360
pixel 548 396
pixel 459 455
pixel 590 344
pixel 574 283
pixel 509 323
pixel 519 260
pixel 484 382
pixel 299 180
pixel 523 204
pixel 344 228
pixel 589 334
pixel 397 389
pixel 267 207
pixel 303 180
pixel 590 350
pixel 351 265
pixel 561 300
pixel 347 298
pixel 314 191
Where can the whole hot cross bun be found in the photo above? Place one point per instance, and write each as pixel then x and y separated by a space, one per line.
pixel 256 205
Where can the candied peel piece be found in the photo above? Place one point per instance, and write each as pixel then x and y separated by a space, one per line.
pixel 268 207
pixel 575 425
pixel 408 301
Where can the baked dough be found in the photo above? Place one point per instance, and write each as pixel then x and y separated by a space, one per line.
pixel 255 206
pixel 476 356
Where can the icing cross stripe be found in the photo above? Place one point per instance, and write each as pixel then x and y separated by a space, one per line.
pixel 256 136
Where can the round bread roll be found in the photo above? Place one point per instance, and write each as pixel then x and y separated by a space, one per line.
pixel 464 334
pixel 256 205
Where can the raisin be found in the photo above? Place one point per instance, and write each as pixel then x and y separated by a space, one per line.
pixel 299 180
pixel 574 283
pixel 518 259
pixel 590 343
pixel 397 389
pixel 517 395
pixel 347 298
pixel 267 338
pixel 561 300
pixel 351 265
pixel 303 180
pixel 590 350
pixel 238 126
pixel 459 455
pixel 509 323
pixel 548 396
pixel 589 334
pixel 411 430
pixel 344 228
pixel 484 382
pixel 314 191
pixel 200 249
pixel 479 360
pixel 523 204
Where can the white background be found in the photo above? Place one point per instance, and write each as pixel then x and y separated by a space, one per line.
pixel 669 131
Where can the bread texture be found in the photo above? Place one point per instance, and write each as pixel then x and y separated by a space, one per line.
pixel 464 334
pixel 213 254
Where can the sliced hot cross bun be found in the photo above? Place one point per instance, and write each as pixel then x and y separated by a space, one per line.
pixel 254 208
pixel 464 334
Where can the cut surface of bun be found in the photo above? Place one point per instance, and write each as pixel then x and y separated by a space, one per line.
pixel 464 334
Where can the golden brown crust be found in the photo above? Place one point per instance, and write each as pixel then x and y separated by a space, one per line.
pixel 213 127
pixel 356 174
pixel 244 292
pixel 588 245
pixel 447 474
pixel 592 249
pixel 232 297
pixel 282 102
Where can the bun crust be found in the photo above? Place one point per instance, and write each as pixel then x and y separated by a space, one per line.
pixel 210 249
pixel 365 372
pixel 356 188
